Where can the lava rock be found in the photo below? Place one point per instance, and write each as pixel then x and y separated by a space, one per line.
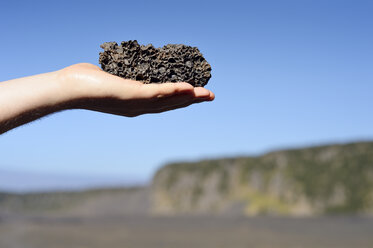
pixel 171 63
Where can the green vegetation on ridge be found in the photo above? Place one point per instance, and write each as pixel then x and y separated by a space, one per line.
pixel 316 180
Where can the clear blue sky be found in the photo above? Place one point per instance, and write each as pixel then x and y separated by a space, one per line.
pixel 285 73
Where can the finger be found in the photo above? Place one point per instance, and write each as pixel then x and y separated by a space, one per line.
pixel 201 92
pixel 154 106
pixel 177 106
pixel 170 101
pixel 212 96
pixel 178 100
pixel 165 89
pixel 162 105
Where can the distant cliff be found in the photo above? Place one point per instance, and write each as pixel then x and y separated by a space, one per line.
pixel 311 181
pixel 301 182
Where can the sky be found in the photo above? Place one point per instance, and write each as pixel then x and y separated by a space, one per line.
pixel 288 73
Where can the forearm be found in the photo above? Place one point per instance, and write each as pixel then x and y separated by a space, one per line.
pixel 26 99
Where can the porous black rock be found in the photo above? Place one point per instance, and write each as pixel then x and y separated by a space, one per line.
pixel 171 63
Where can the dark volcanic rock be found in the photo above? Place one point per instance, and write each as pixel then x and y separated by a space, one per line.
pixel 171 63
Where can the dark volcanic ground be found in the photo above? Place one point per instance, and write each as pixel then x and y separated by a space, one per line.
pixel 205 232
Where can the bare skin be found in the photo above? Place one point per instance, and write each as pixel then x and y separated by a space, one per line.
pixel 86 86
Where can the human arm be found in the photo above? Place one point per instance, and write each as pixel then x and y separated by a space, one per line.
pixel 85 86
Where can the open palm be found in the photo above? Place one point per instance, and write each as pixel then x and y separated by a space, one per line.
pixel 100 91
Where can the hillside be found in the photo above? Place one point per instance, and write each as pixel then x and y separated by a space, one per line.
pixel 310 181
pixel 300 182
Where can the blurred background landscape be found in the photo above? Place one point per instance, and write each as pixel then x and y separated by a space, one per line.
pixel 310 197
pixel 282 158
pixel 334 179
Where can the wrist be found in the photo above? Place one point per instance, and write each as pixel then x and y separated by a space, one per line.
pixel 57 93
pixel 70 87
pixel 80 84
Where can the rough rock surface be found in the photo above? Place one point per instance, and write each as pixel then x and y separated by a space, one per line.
pixel 171 63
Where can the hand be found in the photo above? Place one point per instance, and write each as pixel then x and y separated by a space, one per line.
pixel 86 86
pixel 97 90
